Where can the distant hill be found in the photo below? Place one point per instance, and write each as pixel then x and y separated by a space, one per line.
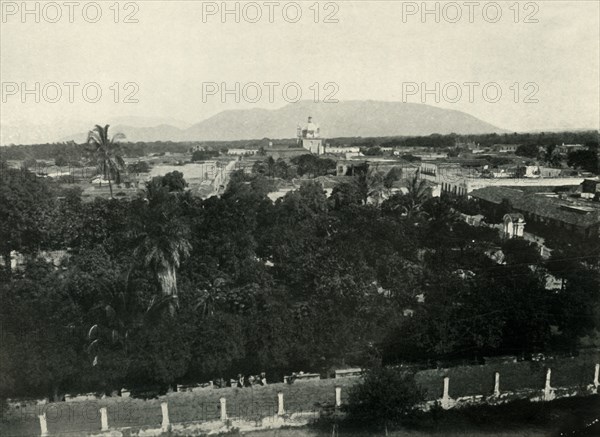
pixel 162 132
pixel 140 129
pixel 343 119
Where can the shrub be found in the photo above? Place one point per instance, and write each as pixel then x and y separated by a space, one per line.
pixel 384 397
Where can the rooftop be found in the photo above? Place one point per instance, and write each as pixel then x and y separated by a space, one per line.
pixel 497 194
pixel 582 213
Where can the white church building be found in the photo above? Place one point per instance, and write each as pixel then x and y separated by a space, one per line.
pixel 310 138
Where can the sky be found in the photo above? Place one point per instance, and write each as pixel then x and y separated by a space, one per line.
pixel 171 60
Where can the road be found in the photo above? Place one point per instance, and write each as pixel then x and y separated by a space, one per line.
pixel 221 179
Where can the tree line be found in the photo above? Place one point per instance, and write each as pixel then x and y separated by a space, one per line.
pixel 170 288
pixel 71 152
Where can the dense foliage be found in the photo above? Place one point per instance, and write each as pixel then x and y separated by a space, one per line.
pixel 384 397
pixel 170 288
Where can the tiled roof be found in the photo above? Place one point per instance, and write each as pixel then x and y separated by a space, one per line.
pixel 559 210
pixel 497 194
pixel 581 214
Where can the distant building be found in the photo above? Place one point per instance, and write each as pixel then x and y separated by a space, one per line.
pixel 309 138
pixel 99 180
pixel 460 178
pixel 242 152
pixel 432 170
pixel 341 149
pixel 590 188
pixel 548 210
pixel 566 148
pixel 471 145
pixel 430 156
pixel 283 152
pixel 505 148
pixel 350 168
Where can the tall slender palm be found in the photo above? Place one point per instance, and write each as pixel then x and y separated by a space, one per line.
pixel 107 152
pixel 162 238
pixel 162 253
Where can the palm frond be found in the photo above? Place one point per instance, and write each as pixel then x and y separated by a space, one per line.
pixel 158 306
pixel 93 332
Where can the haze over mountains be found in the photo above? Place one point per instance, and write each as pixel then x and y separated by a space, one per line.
pixel 343 119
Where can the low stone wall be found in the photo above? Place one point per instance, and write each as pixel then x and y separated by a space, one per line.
pixel 214 411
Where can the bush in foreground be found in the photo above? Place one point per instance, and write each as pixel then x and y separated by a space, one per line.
pixel 384 398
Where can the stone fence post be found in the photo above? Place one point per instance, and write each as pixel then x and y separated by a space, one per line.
pixel 548 390
pixel 43 425
pixel 597 377
pixel 223 409
pixel 446 401
pixel 338 396
pixel 280 409
pixel 497 384
pixel 104 419
pixel 166 424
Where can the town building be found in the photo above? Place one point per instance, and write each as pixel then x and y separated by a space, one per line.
pixel 431 170
pixel 566 148
pixel 513 225
pixel 350 167
pixel 558 211
pixel 590 188
pixel 505 148
pixel 309 137
pixel 430 156
pixel 284 152
pixel 242 152
pixel 344 149
pixel 463 176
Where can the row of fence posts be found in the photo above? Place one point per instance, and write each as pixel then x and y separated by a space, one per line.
pixel 166 423
pixel 446 401
pixel 549 391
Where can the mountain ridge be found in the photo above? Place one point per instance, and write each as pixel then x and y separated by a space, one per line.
pixel 351 118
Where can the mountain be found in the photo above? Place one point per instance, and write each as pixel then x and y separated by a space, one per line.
pixel 138 121
pixel 343 119
pixel 162 132
pixel 136 129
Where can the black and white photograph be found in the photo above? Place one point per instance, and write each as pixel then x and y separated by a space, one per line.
pixel 303 218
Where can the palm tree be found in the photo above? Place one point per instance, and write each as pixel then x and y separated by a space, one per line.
pixel 117 316
pixel 375 186
pixel 418 193
pixel 107 152
pixel 162 238
pixel 411 203
pixel 163 255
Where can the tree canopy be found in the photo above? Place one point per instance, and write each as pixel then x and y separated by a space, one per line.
pixel 307 282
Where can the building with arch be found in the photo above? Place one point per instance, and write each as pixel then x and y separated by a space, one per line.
pixel 513 225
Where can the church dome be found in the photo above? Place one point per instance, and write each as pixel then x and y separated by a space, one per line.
pixel 311 130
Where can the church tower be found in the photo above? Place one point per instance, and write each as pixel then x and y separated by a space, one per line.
pixel 310 136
